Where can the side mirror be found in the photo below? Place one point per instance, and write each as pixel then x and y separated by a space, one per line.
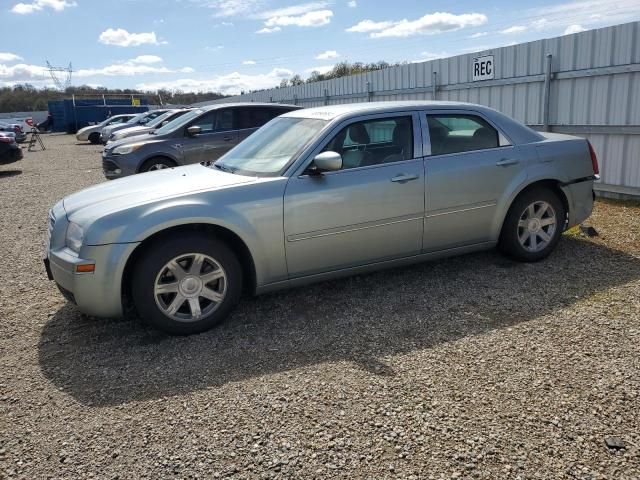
pixel 143 121
pixel 164 123
pixel 193 131
pixel 327 162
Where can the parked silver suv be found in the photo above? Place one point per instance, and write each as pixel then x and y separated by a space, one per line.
pixel 316 194
pixel 203 134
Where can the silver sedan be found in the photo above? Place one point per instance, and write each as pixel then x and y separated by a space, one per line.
pixel 316 194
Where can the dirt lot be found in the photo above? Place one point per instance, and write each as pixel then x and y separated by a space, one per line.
pixel 473 367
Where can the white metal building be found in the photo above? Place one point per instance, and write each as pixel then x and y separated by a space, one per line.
pixel 586 84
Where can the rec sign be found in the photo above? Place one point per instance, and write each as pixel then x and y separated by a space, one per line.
pixel 483 68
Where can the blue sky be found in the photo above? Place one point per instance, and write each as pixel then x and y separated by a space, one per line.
pixel 233 45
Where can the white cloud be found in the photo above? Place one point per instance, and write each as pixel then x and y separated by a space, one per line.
pixel 249 62
pixel 366 26
pixel 327 55
pixel 141 65
pixel 585 13
pixel 37 5
pixel 352 4
pixel 22 72
pixel 478 34
pixel 147 59
pixel 427 25
pixel 230 8
pixel 269 30
pixel 123 38
pixel 292 10
pixel 426 56
pixel 9 57
pixel 230 84
pixel 316 18
pixel 574 29
pixel 514 29
pixel 223 24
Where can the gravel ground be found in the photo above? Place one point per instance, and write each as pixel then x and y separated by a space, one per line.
pixel 472 367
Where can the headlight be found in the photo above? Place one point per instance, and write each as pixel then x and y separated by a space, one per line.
pixel 125 149
pixel 74 237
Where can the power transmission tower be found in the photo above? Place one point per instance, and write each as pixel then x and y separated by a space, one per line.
pixel 61 76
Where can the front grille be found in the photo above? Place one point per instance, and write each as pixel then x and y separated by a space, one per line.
pixel 108 166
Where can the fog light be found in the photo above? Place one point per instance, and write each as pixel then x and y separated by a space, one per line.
pixel 89 268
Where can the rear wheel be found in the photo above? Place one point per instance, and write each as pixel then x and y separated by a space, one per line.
pixel 533 225
pixel 157 163
pixel 186 285
pixel 94 137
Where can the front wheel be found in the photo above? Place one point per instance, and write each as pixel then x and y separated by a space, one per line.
pixel 533 225
pixel 154 164
pixel 186 285
pixel 94 138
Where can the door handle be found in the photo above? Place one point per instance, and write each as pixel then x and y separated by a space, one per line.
pixel 226 139
pixel 404 178
pixel 505 162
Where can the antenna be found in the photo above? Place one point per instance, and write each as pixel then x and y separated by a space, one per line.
pixel 61 76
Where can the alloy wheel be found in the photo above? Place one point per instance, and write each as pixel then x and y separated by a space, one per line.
pixel 189 287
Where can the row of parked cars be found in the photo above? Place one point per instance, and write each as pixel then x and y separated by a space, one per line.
pixel 313 194
pixel 166 138
pixel 11 134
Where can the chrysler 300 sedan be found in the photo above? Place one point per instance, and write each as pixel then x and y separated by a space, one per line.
pixel 315 194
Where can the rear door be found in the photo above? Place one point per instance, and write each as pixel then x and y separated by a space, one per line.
pixel 469 165
pixel 218 135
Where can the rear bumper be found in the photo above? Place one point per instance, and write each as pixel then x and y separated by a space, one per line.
pixel 98 293
pixel 580 197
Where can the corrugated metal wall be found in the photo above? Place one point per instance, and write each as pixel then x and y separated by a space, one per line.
pixel 594 91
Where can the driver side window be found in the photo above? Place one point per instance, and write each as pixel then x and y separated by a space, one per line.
pixel 374 142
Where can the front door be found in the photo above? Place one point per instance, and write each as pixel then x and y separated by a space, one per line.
pixel 218 135
pixel 470 168
pixel 372 210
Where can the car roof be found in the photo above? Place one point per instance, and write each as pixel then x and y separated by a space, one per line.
pixel 248 104
pixel 334 111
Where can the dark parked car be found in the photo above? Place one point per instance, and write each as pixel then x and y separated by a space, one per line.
pixel 20 136
pixel 10 151
pixel 201 135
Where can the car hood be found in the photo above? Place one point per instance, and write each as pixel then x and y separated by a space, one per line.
pixel 117 195
pixel 87 128
pixel 142 137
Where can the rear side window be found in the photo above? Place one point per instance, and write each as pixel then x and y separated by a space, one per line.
pixel 460 133
pixel 215 121
pixel 254 117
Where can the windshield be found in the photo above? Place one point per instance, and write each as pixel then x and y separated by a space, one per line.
pixel 179 122
pixel 158 120
pixel 272 147
pixel 135 119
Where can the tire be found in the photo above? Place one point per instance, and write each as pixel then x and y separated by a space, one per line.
pixel 94 138
pixel 167 303
pixel 533 226
pixel 156 163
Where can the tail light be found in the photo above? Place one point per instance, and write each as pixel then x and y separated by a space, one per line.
pixel 594 159
pixel 6 139
pixel 30 122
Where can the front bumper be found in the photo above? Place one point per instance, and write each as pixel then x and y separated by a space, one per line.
pixel 117 166
pixel 98 293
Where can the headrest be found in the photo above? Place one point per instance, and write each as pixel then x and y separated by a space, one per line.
pixel 359 134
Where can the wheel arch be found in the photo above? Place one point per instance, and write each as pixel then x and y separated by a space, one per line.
pixel 151 157
pixel 231 239
pixel 554 185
